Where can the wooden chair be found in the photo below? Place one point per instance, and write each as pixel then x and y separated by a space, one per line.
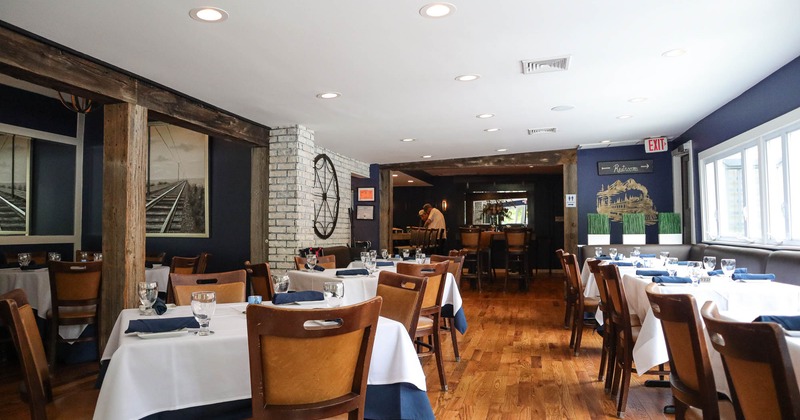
pixel 517 240
pixel 260 279
pixel 456 268
pixel 430 314
pixel 582 304
pixel 301 371
pixel 155 258
pixel 325 261
pixel 470 240
pixel 37 257
pixel 75 297
pixel 89 255
pixel 229 286
pixel 183 265
pixel 17 313
pixel 402 298
pixel 202 262
pixel 760 373
pixel 691 377
pixel 568 299
pixel 608 350
pixel 485 255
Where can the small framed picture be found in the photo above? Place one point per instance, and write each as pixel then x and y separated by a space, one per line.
pixel 366 194
pixel 365 212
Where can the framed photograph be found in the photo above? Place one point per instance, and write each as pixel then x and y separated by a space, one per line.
pixel 366 194
pixel 177 182
pixel 15 155
pixel 365 212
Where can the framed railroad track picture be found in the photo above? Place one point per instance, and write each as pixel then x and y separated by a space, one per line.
pixel 177 182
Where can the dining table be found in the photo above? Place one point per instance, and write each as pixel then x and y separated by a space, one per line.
pixel 159 373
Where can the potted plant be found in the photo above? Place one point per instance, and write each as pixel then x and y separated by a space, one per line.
pixel 599 229
pixel 633 229
pixel 669 229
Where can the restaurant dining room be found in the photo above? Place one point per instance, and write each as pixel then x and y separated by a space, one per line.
pixel 444 210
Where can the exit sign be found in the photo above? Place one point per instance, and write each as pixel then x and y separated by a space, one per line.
pixel 654 145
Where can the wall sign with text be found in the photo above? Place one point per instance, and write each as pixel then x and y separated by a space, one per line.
pixel 621 167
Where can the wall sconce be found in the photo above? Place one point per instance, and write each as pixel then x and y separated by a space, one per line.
pixel 444 205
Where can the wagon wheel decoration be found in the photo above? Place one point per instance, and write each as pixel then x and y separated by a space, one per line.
pixel 326 196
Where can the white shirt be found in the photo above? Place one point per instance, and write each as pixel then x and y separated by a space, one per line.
pixel 436 221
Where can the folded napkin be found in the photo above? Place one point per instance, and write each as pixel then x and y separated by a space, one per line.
pixel 305 296
pixel 353 272
pixel 161 325
pixel 652 273
pixel 788 322
pixel 671 279
pixel 148 265
pixel 384 264
pixel 683 262
pixel 647 255
pixel 722 273
pixel 33 267
pixel 409 259
pixel 160 307
pixel 622 263
pixel 603 257
pixel 316 268
pixel 752 276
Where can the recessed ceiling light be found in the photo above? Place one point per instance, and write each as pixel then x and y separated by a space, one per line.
pixel 410 180
pixel 482 116
pixel 329 95
pixel 408 140
pixel 491 130
pixel 437 10
pixel 426 156
pixel 468 77
pixel 395 175
pixel 502 150
pixel 624 117
pixel 562 108
pixel 637 100
pixel 530 166
pixel 542 160
pixel 673 53
pixel 606 141
pixel 208 14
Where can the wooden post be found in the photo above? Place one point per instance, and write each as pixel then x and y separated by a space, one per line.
pixel 387 210
pixel 259 204
pixel 570 168
pixel 124 167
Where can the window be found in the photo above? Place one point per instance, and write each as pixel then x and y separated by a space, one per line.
pixel 745 186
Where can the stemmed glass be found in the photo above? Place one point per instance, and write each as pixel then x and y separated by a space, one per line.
pixel 385 254
pixel 663 255
pixel 695 271
pixel 612 252
pixel 371 265
pixel 24 259
pixel 148 293
pixel 636 252
pixel 406 252
pixel 672 266
pixel 598 251
pixel 728 267
pixel 373 254
pixel 420 257
pixel 709 263
pixel 54 256
pixel 203 306
pixel 334 293
pixel 280 284
pixel 311 261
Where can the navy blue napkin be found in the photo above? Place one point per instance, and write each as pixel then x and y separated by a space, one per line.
pixel 652 273
pixel 683 262
pixel 722 273
pixel 647 255
pixel 671 279
pixel 148 265
pixel 751 276
pixel 32 267
pixel 353 272
pixel 622 263
pixel 384 264
pixel 788 322
pixel 161 325
pixel 305 296
pixel 316 268
pixel 160 307
pixel 603 257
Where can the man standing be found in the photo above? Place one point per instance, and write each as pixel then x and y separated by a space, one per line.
pixel 435 219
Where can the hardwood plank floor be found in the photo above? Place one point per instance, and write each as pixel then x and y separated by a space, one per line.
pixel 515 364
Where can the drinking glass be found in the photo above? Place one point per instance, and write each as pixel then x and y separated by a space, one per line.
pixel 695 271
pixel 406 252
pixel 280 284
pixel 24 259
pixel 709 262
pixel 148 293
pixel 203 306
pixel 598 251
pixel 98 256
pixel 672 266
pixel 385 254
pixel 663 255
pixel 373 254
pixel 612 252
pixel 311 261
pixel 364 256
pixel 420 257
pixel 334 293
pixel 371 266
pixel 728 266
pixel 636 252
pixel 53 256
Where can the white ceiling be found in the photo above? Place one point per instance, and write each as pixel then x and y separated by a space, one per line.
pixel 395 69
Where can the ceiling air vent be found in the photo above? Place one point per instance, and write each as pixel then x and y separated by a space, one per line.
pixel 532 131
pixel 544 66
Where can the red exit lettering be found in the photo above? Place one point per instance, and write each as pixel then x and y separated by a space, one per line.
pixel 658 144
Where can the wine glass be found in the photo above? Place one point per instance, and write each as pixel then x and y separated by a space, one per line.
pixel 148 293
pixel 311 261
pixel 663 255
pixel 373 254
pixel 636 252
pixel 695 271
pixel 385 254
pixel 334 293
pixel 83 256
pixel 280 284
pixel 406 253
pixel 598 251
pixel 98 256
pixel 371 265
pixel 709 262
pixel 672 266
pixel 24 259
pixel 612 252
pixel 364 256
pixel 728 267
pixel 420 257
pixel 203 306
pixel 53 256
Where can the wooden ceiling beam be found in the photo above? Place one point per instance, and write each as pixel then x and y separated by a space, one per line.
pixel 37 61
pixel 547 158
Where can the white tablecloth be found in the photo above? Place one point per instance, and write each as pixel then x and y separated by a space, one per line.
pixel 159 275
pixel 147 376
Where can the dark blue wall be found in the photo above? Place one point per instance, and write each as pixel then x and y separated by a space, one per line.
pixel 367 230
pixel 658 184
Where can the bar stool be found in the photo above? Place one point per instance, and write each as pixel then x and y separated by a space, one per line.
pixel 517 253
pixel 485 255
pixel 470 239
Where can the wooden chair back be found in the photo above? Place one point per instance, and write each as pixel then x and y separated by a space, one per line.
pixel 594 267
pixel 431 301
pixel 184 265
pixel 456 266
pixel 690 372
pixel 470 238
pixel 485 241
pixel 74 286
pixel 402 298
pixel 299 369
pixel 155 258
pixel 517 239
pixel 573 273
pixel 37 257
pixel 618 303
pixel 325 261
pixel 202 262
pixel 229 286
pixel 260 279
pixel 757 364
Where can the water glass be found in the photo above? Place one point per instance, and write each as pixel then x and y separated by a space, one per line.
pixel 406 253
pixel 385 253
pixel 672 266
pixel 334 293
pixel 98 256
pixel 254 300
pixel 598 251
pixel 420 257
pixel 148 293
pixel 612 252
pixel 83 256
pixel 373 254
pixel 728 266
pixel 371 265
pixel 663 255
pixel 53 256
pixel 23 258
pixel 364 256
pixel 636 252
pixel 203 306
pixel 280 284
pixel 311 261
pixel 709 262
pixel 695 271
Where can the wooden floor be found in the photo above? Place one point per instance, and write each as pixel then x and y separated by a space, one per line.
pixel 515 364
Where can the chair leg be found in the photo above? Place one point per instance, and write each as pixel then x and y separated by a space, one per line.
pixel 453 337
pixel 567 312
pixel 579 326
pixel 574 333
pixel 51 345
pixel 437 353
pixel 508 274
pixel 603 355
pixel 612 358
pixel 626 383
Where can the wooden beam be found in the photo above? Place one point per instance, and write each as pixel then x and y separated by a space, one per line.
pixel 547 158
pixel 51 66
pixel 570 213
pixel 124 169
pixel 259 204
pixel 386 221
